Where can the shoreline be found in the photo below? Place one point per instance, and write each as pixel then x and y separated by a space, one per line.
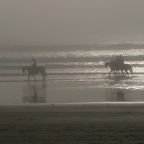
pixel 73 106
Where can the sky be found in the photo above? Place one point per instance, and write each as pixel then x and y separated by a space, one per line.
pixel 65 22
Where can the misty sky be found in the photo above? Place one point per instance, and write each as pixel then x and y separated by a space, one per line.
pixel 48 22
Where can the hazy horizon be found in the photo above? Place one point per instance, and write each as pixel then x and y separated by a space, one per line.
pixel 71 22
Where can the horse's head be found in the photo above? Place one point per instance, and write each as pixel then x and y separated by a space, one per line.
pixel 23 69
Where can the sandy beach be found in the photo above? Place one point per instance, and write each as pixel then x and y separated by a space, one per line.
pixel 72 124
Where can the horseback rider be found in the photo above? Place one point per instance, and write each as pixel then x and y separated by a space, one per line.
pixel 113 59
pixel 121 60
pixel 117 59
pixel 34 65
pixel 34 70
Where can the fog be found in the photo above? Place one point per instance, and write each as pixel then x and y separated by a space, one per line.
pixel 53 22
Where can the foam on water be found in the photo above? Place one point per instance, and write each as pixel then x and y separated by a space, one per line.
pixel 69 60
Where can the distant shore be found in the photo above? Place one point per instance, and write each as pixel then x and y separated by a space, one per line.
pixel 69 124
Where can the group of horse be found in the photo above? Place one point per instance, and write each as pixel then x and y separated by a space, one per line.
pixel 114 68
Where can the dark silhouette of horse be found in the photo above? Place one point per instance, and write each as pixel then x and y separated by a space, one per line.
pixel 115 67
pixel 34 70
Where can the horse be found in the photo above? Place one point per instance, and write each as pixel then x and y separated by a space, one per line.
pixel 34 70
pixel 115 67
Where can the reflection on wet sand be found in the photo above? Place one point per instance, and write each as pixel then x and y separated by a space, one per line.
pixel 115 95
pixel 117 90
pixel 34 92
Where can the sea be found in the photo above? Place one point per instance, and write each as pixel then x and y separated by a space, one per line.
pixel 76 74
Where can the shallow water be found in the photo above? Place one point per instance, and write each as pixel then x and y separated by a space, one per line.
pixel 75 74
pixel 70 89
pixel 70 59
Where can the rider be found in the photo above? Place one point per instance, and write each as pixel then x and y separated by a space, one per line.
pixel 117 59
pixel 121 60
pixel 113 59
pixel 34 63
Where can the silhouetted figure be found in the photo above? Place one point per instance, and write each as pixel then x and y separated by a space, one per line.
pixel 113 58
pixel 117 59
pixel 121 60
pixel 34 63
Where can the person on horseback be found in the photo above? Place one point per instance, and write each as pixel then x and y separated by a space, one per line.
pixel 118 65
pixel 34 65
pixel 117 60
pixel 121 60
pixel 113 58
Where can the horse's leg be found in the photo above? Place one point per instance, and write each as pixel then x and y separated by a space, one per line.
pixel 127 73
pixel 110 73
pixel 28 77
pixel 130 69
pixel 43 75
pixel 115 73
pixel 34 77
pixel 122 72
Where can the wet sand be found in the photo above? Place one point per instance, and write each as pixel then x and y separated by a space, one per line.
pixel 72 124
